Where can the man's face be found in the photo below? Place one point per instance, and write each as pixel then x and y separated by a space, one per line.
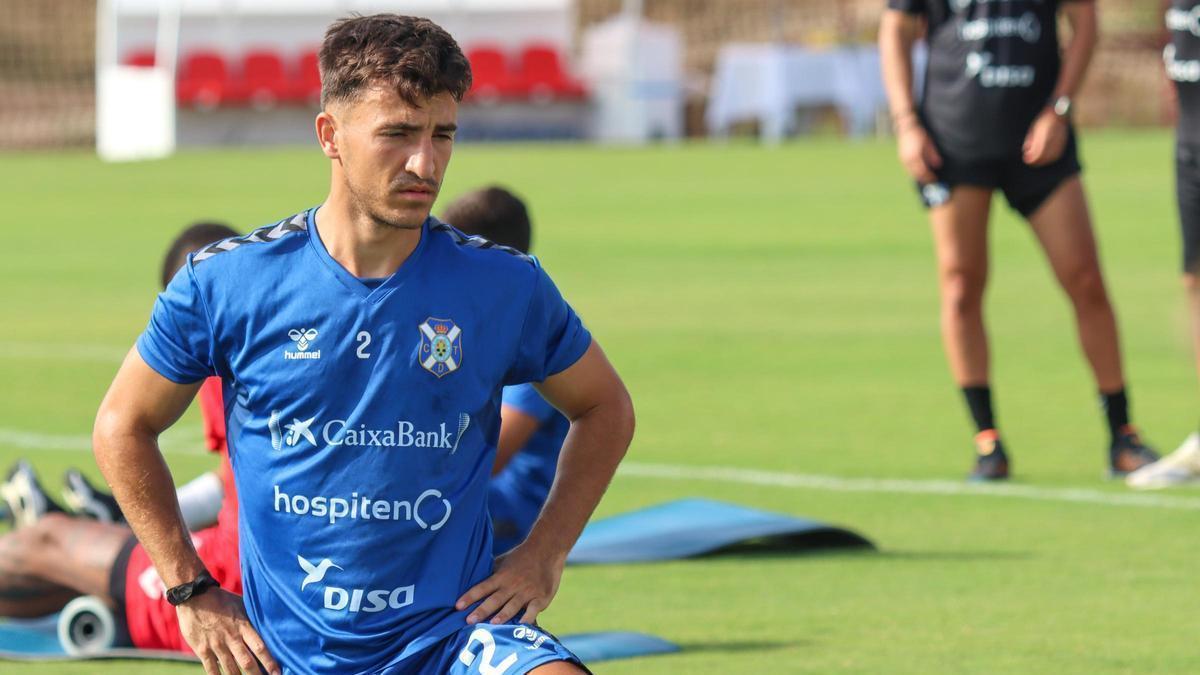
pixel 394 154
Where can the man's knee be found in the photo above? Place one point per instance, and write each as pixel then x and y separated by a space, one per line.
pixel 962 290
pixel 28 546
pixel 1191 282
pixel 48 529
pixel 1085 285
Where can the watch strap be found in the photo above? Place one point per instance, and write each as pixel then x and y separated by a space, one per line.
pixel 183 592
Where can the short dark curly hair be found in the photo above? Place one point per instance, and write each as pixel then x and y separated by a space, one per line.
pixel 493 213
pixel 193 238
pixel 413 56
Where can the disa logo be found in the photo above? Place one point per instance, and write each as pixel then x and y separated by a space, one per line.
pixel 339 599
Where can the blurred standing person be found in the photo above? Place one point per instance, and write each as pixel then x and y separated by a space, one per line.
pixel 1181 57
pixel 532 431
pixel 996 115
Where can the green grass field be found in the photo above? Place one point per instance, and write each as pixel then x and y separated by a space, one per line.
pixel 770 309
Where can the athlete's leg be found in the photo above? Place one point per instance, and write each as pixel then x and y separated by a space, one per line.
pixel 1064 228
pixel 1191 282
pixel 59 556
pixel 28 598
pixel 960 236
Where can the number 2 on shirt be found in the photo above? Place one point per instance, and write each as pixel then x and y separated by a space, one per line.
pixel 364 340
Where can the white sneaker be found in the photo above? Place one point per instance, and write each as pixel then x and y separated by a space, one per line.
pixel 1178 468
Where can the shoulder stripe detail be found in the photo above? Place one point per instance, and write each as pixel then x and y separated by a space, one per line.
pixel 478 242
pixel 262 235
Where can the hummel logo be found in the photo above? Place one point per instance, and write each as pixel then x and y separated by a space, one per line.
pixel 295 431
pixel 303 337
pixel 316 572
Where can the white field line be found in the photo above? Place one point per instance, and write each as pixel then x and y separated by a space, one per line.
pixel 191 443
pixel 184 441
pixel 723 474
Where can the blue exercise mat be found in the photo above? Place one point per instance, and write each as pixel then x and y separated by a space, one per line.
pixel 692 527
pixel 595 647
pixel 32 637
pixel 37 640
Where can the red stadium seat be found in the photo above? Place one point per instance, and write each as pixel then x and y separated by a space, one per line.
pixel 308 86
pixel 491 77
pixel 204 81
pixel 142 58
pixel 541 73
pixel 264 82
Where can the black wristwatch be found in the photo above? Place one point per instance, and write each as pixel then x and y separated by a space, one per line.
pixel 184 592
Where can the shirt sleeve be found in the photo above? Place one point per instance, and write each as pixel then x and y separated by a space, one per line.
pixel 552 339
pixel 178 341
pixel 525 398
pixel 908 6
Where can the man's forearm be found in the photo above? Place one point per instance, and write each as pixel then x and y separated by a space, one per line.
pixel 590 455
pixel 141 482
pixel 1077 55
pixel 895 50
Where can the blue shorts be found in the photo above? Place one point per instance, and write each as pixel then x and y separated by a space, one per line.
pixel 486 649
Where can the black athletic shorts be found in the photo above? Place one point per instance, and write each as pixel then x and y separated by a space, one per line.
pixel 1187 194
pixel 117 589
pixel 1025 187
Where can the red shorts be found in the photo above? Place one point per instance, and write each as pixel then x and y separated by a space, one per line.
pixel 151 620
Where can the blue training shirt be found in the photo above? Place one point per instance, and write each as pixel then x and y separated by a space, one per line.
pixel 362 425
pixel 531 470
pixel 520 489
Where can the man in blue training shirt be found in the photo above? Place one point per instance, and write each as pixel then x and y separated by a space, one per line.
pixel 531 430
pixel 363 347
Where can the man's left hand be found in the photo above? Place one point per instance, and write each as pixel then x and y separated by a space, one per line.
pixel 525 578
pixel 1046 140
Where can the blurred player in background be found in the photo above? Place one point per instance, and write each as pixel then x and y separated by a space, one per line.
pixel 1182 60
pixel 200 500
pixel 363 347
pixel 531 430
pixel 51 557
pixel 996 115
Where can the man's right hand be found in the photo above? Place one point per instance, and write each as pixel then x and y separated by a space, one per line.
pixel 217 628
pixel 917 152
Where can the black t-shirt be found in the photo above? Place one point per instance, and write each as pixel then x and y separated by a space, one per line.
pixel 1182 59
pixel 993 65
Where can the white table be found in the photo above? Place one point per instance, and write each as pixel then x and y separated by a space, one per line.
pixel 767 82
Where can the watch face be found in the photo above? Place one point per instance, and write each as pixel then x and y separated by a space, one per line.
pixel 1062 106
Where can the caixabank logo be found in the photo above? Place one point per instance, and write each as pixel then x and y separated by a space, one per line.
pixel 347 433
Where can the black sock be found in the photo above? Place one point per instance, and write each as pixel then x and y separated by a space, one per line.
pixel 1116 409
pixel 979 401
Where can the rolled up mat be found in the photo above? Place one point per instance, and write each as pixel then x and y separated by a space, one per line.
pixel 86 627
